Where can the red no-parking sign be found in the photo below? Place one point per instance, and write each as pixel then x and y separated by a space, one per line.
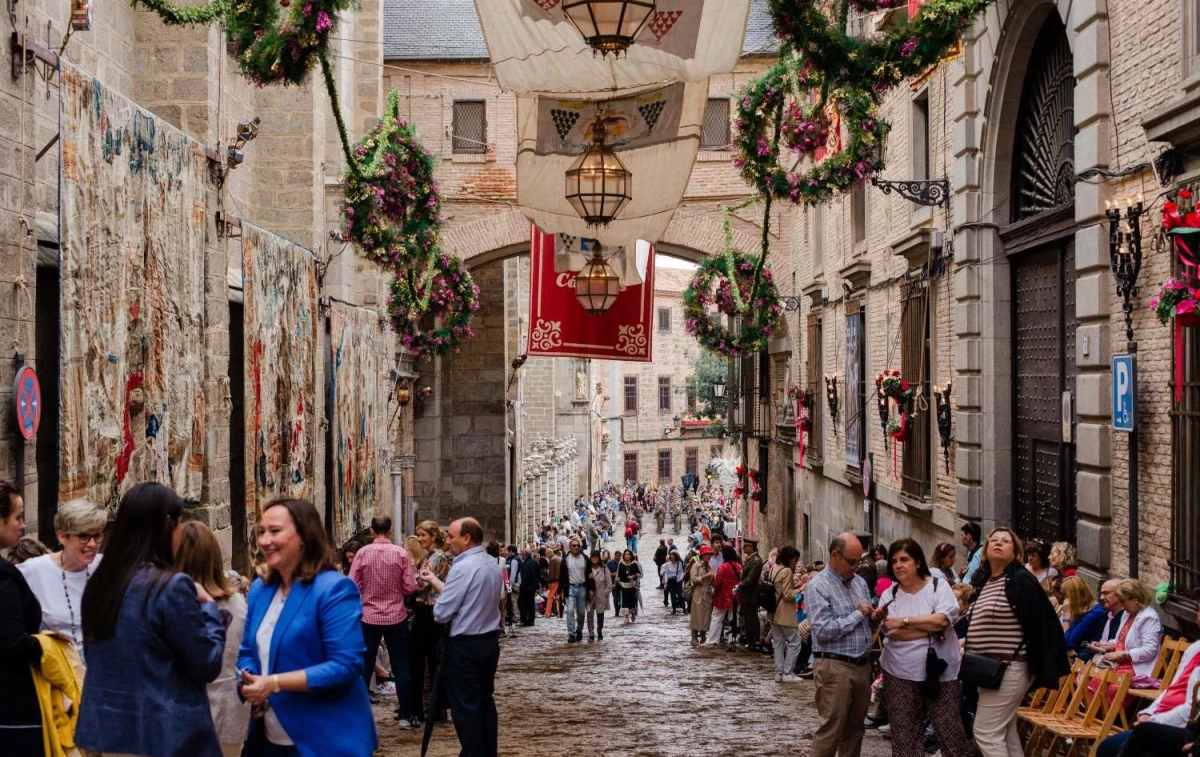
pixel 27 398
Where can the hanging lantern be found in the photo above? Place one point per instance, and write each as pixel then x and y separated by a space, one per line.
pixel 598 183
pixel 81 15
pixel 597 285
pixel 609 26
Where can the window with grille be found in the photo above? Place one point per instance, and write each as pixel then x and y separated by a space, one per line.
pixel 664 465
pixel 916 470
pixel 664 319
pixel 714 132
pixel 856 389
pixel 920 136
pixel 858 217
pixel 1185 483
pixel 714 451
pixel 631 466
pixel 470 126
pixel 691 461
pixel 664 393
pixel 631 394
pixel 764 449
pixel 814 377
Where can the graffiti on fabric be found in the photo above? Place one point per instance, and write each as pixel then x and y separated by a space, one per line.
pixel 132 300
pixel 355 386
pixel 280 285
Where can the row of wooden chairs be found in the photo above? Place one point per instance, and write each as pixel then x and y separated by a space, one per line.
pixel 1073 719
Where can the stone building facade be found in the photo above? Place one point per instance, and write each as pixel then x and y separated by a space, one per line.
pixel 287 184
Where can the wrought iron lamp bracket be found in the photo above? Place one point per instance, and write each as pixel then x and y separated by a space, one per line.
pixel 790 304
pixel 927 192
pixel 1125 255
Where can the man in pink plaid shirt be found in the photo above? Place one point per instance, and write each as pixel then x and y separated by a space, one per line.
pixel 385 577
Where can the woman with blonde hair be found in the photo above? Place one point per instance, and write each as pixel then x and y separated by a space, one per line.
pixel 1140 637
pixel 1077 600
pixel 426 633
pixel 1029 642
pixel 58 579
pixel 415 551
pixel 198 554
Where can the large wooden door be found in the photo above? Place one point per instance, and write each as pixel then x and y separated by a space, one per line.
pixel 1044 369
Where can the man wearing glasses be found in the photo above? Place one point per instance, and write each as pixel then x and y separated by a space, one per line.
pixel 839 608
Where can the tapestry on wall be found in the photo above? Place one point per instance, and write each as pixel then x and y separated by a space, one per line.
pixel 132 298
pixel 355 342
pixel 280 284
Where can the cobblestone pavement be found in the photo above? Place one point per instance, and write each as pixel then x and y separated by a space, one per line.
pixel 643 691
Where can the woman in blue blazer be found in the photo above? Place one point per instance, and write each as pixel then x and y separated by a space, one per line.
pixel 301 657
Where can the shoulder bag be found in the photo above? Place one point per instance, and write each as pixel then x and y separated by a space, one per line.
pixel 981 671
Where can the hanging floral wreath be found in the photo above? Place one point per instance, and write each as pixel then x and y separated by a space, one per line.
pixel 892 385
pixel 738 292
pixel 279 41
pixel 761 107
pixel 881 62
pixel 391 208
pixel 431 306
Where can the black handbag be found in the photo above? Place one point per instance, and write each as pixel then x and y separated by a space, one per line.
pixel 931 687
pixel 981 671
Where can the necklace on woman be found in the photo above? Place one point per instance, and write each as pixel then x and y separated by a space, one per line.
pixel 67 593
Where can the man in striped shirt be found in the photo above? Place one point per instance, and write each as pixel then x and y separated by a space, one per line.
pixel 839 607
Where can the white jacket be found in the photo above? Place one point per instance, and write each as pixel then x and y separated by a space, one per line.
pixel 1143 640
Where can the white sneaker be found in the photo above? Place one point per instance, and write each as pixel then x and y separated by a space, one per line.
pixel 778 677
pixel 886 730
pixel 407 725
pixel 388 688
pixel 790 678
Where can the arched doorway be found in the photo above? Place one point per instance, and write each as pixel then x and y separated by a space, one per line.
pixel 1039 244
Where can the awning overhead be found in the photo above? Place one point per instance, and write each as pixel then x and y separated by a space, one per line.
pixel 534 48
pixel 656 133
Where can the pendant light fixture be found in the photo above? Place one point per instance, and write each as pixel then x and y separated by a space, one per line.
pixel 598 183
pixel 609 26
pixel 597 285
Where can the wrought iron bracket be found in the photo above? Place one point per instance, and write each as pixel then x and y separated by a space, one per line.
pixel 923 192
pixel 790 304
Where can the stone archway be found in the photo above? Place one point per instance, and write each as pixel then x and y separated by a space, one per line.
pixel 996 54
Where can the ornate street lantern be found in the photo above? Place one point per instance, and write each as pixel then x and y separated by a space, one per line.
pixel 598 183
pixel 597 285
pixel 718 387
pixel 609 26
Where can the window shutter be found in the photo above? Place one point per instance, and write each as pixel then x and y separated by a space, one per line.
pixel 914 367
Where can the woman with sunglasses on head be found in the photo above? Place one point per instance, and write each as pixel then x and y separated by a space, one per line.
pixel 1029 642
pixel 58 579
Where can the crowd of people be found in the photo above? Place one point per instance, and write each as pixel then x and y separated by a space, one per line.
pixel 133 639
pixel 136 615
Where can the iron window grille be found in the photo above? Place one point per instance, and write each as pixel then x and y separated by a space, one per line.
pixel 714 131
pixel 664 319
pixel 664 465
pixel 631 466
pixel 470 127
pixel 631 394
pixel 664 393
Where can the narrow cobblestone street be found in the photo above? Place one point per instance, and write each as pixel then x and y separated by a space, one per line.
pixel 642 692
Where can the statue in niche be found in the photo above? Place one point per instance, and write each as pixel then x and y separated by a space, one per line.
pixel 581 382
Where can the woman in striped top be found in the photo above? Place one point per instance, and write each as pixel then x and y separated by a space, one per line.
pixel 1030 642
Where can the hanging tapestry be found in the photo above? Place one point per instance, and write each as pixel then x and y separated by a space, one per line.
pixel 280 284
pixel 132 299
pixel 560 327
pixel 355 385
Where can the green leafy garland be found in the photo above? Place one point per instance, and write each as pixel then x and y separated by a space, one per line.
pixel 279 41
pixel 872 65
pixel 174 15
pixel 734 283
pixel 761 106
pixel 391 208
pixel 431 306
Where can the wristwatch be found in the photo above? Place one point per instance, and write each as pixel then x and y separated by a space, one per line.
pixel 906 622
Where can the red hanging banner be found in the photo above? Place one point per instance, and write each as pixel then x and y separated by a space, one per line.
pixel 560 327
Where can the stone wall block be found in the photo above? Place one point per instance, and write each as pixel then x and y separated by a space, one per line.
pixel 1094 543
pixel 1093 444
pixel 1093 295
pixel 1094 494
pixel 1093 395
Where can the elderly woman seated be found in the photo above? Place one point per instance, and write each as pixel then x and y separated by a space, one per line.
pixel 1137 643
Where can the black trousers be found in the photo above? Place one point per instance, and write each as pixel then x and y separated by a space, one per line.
pixel 1155 740
pixel 526 604
pixel 469 679
pixel 750 619
pixel 422 659
pixel 396 636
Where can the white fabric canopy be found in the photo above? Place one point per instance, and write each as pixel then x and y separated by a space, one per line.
pixel 571 254
pixel 661 169
pixel 534 48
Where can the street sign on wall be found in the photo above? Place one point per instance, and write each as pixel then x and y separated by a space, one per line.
pixel 1124 392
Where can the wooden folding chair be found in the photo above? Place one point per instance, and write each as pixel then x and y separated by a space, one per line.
pixel 1100 721
pixel 1069 698
pixel 1047 702
pixel 1169 657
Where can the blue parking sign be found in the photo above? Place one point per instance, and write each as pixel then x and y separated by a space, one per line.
pixel 1124 392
